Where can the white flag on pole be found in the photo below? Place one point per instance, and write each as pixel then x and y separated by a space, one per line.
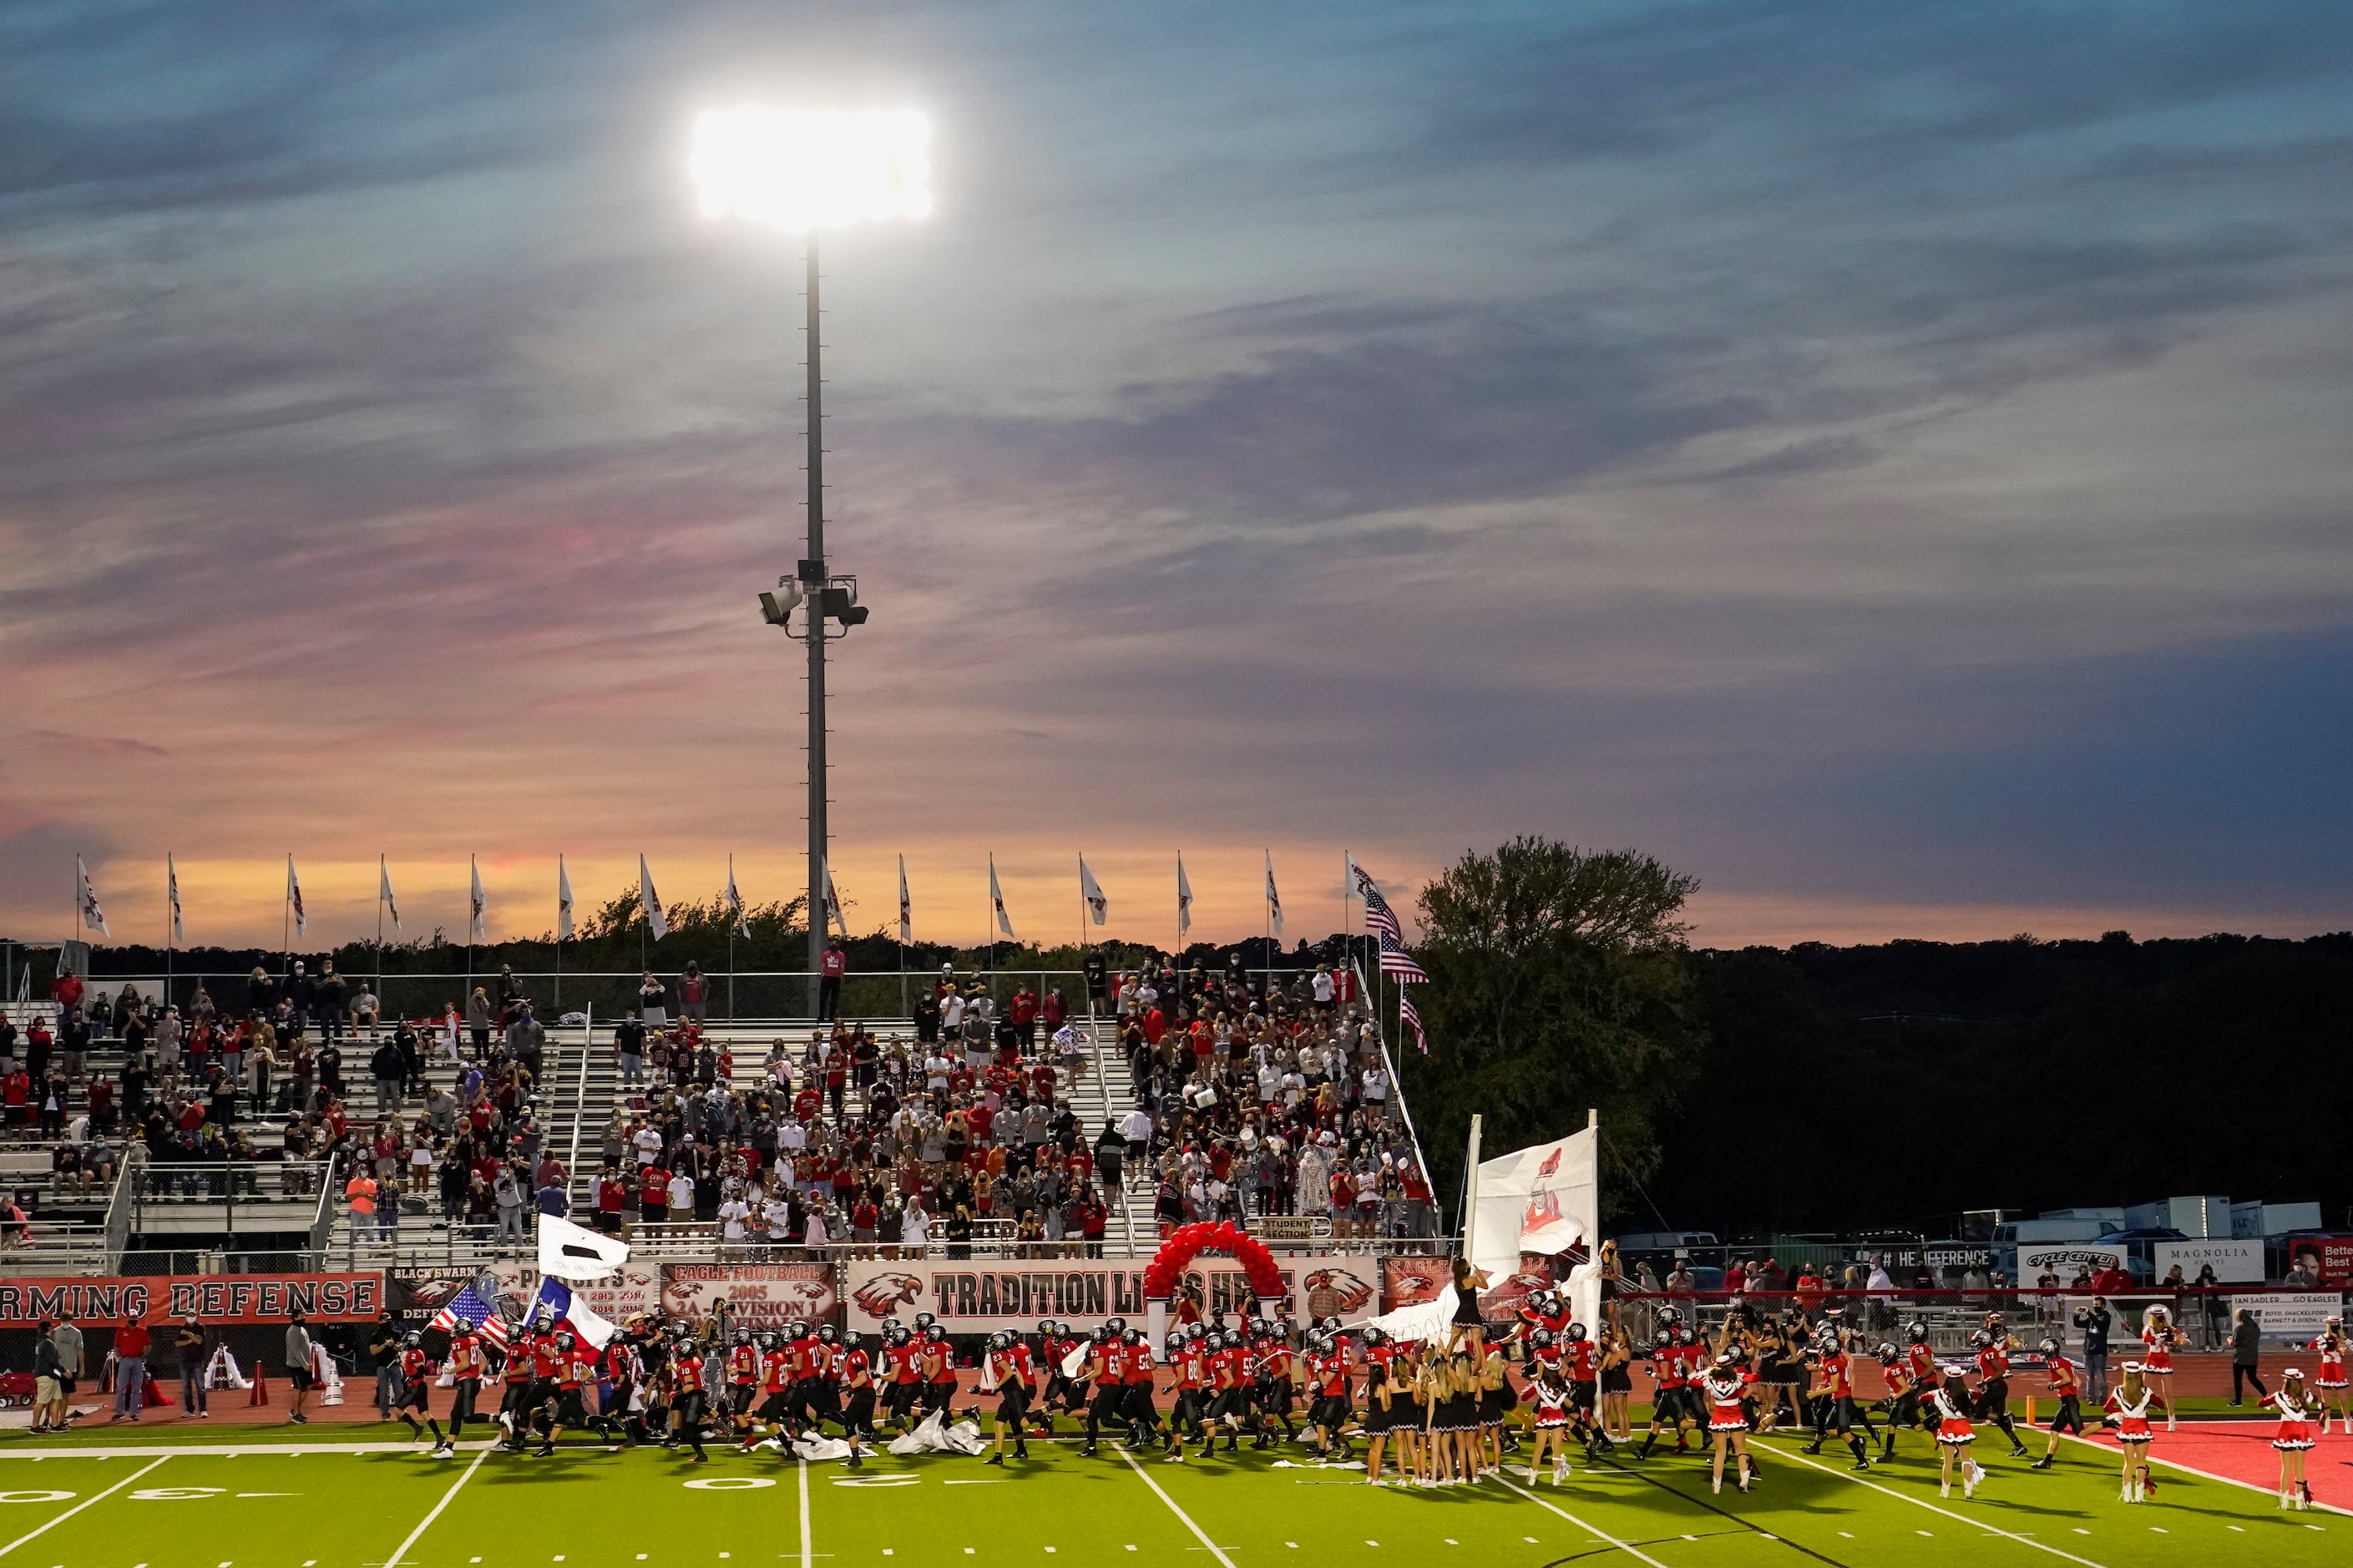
pixel 92 917
pixel 996 902
pixel 474 921
pixel 172 893
pixel 568 1251
pixel 383 890
pixel 1184 900
pixel 833 906
pixel 294 896
pixel 650 901
pixel 563 901
pixel 1273 899
pixel 1092 891
pixel 906 905
pixel 735 899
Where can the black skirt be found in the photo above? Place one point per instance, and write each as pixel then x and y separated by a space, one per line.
pixel 1466 1312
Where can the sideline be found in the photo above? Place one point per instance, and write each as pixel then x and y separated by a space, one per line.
pixel 68 1513
pixel 804 1515
pixel 2317 1507
pixel 1564 1513
pixel 427 1523
pixel 1215 1550
pixel 165 1450
pixel 1932 1508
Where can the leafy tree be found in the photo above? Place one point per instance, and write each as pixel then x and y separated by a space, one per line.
pixel 1559 981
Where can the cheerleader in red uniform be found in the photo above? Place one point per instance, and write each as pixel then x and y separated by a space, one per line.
pixel 1723 1385
pixel 2128 1405
pixel 2329 1386
pixel 2161 1336
pixel 1949 1407
pixel 2294 1440
pixel 1551 1392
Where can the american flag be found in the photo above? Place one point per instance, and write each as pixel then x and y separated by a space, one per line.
pixel 1379 916
pixel 1410 1016
pixel 1397 961
pixel 468 1310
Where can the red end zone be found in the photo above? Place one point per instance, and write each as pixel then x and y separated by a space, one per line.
pixel 2243 1451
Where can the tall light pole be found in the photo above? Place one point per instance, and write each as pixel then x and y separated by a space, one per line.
pixel 802 171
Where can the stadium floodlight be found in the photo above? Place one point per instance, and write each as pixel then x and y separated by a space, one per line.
pixel 803 170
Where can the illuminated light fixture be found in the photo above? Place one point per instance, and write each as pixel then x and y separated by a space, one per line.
pixel 805 169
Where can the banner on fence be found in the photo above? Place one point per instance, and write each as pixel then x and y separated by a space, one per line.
pixel 2237 1262
pixel 2295 1315
pixel 1407 1282
pixel 2065 1258
pixel 417 1294
pixel 227 1300
pixel 980 1297
pixel 758 1295
pixel 2329 1258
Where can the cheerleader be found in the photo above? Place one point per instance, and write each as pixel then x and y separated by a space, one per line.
pixel 2294 1440
pixel 1553 1399
pixel 2067 1388
pixel 2161 1336
pixel 1445 1399
pixel 1497 1400
pixel 1726 1386
pixel 2128 1405
pixel 2329 1385
pixel 1949 1406
pixel 1616 1385
pixel 1468 1325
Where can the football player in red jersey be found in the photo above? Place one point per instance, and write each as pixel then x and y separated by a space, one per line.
pixel 689 1393
pixel 1667 1400
pixel 2067 1388
pixel 743 1385
pixel 1993 1345
pixel 1229 1406
pixel 466 1365
pixel 775 1395
pixel 416 1371
pixel 1142 1415
pixel 939 1366
pixel 1278 1384
pixel 858 1397
pixel 1006 1376
pixel 1187 1357
pixel 575 1375
pixel 1106 1373
pixel 1832 1394
pixel 1327 1364
pixel 1902 1403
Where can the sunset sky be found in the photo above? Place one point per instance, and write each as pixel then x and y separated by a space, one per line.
pixel 1890 461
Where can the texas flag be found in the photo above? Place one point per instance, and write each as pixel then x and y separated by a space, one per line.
pixel 559 1308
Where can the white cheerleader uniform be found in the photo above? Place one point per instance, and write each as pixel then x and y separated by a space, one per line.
pixel 2331 1376
pixel 1953 1428
pixel 1723 1390
pixel 2295 1433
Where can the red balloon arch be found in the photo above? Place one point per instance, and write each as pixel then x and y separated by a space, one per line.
pixel 1189 1241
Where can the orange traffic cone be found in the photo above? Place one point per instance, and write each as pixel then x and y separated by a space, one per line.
pixel 260 1394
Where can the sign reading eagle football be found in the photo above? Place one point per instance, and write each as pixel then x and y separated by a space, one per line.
pixel 980 1297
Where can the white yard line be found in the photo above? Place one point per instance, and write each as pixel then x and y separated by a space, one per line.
pixel 2155 1458
pixel 1592 1530
pixel 167 1450
pixel 1199 1534
pixel 68 1513
pixel 1932 1508
pixel 804 1515
pixel 427 1523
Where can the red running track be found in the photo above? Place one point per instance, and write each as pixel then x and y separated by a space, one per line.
pixel 2243 1451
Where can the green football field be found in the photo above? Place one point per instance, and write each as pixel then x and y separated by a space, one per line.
pixel 223 1500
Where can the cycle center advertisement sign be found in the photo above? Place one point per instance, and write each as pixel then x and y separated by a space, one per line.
pixel 979 1296
pixel 2066 1259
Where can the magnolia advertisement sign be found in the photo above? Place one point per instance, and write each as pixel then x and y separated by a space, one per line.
pixel 758 1295
pixel 980 1297
pixel 2233 1262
